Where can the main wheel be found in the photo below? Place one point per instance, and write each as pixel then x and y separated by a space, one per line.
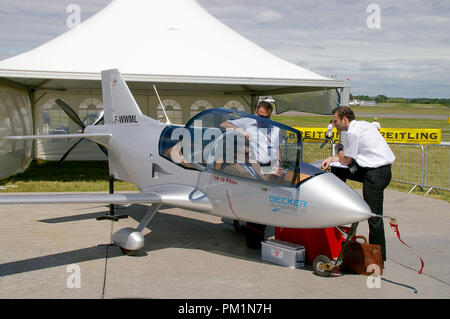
pixel 128 252
pixel 322 265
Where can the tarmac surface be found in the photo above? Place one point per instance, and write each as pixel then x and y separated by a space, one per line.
pixel 46 250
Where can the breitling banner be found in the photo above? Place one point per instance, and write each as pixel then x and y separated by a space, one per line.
pixel 312 133
pixel 412 135
pixel 391 135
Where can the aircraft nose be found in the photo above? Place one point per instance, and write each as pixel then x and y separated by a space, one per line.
pixel 332 202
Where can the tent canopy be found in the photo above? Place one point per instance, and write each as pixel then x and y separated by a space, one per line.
pixel 175 43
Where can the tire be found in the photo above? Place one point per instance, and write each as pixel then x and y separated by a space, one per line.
pixel 319 261
pixel 128 252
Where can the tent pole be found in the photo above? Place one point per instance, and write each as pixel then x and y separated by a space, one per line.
pixel 31 95
pixel 254 101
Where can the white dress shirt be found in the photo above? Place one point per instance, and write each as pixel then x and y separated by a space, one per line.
pixel 367 146
pixel 377 125
pixel 265 141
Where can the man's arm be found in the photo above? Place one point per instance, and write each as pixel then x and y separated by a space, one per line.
pixel 344 160
pixel 229 125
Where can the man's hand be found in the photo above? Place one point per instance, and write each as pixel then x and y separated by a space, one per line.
pixel 278 171
pixel 326 162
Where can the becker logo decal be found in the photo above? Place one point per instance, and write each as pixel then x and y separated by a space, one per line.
pixel 125 119
pixel 285 203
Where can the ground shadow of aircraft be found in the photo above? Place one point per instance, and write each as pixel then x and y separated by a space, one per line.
pixel 167 231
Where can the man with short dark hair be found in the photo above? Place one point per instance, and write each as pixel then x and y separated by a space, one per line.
pixel 369 160
pixel 264 140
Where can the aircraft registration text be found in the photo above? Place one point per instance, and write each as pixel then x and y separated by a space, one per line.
pixel 125 119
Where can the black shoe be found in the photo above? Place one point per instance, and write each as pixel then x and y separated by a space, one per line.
pixel 253 239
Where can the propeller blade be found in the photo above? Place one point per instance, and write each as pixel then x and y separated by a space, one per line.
pixel 70 112
pixel 103 149
pixel 69 150
pixel 99 118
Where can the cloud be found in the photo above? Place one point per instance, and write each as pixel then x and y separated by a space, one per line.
pixel 26 24
pixel 408 55
pixel 268 16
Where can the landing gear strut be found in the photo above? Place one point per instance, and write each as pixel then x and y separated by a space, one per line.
pixel 130 240
pixel 324 266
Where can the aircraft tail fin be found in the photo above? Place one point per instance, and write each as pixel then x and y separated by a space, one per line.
pixel 118 102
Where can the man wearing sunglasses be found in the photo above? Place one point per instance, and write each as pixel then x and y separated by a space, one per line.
pixel 263 138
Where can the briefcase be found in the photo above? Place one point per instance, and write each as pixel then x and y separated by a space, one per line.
pixel 362 258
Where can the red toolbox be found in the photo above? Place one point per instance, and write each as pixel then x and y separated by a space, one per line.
pixel 324 241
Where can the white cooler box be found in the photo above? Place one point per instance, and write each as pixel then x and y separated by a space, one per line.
pixel 283 253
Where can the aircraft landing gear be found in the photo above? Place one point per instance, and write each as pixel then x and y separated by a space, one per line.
pixel 324 266
pixel 130 240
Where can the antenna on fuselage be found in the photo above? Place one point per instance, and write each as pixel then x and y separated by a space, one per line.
pixel 162 105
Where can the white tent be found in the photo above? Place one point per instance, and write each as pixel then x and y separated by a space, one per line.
pixel 196 61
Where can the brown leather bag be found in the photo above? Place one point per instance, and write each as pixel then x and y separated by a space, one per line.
pixel 358 257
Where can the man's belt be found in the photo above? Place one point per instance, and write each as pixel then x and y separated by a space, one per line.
pixel 264 164
pixel 372 168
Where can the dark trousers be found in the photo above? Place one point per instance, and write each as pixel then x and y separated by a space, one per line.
pixel 374 181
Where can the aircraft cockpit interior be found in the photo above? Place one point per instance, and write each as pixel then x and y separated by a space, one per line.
pixel 237 144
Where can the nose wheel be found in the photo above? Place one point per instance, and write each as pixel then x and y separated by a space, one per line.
pixel 323 266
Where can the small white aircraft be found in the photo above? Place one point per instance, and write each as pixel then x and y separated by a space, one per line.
pixel 354 102
pixel 206 168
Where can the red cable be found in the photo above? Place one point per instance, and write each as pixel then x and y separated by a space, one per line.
pixel 394 226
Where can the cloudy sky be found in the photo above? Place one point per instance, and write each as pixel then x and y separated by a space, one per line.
pixel 399 48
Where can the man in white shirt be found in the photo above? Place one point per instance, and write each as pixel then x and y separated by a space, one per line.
pixel 376 123
pixel 264 140
pixel 328 134
pixel 369 160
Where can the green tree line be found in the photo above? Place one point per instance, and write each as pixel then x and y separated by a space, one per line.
pixel 385 99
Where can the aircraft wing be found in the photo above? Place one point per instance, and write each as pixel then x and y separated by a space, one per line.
pixel 52 136
pixel 80 199
pixel 169 195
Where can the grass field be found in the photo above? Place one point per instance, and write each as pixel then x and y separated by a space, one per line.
pixel 398 108
pixel 323 121
pixel 93 176
pixel 82 176
pixel 404 108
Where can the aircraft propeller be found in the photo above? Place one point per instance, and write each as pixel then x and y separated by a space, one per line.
pixel 74 117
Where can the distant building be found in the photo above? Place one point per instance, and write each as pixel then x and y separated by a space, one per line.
pixel 355 102
pixel 368 103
